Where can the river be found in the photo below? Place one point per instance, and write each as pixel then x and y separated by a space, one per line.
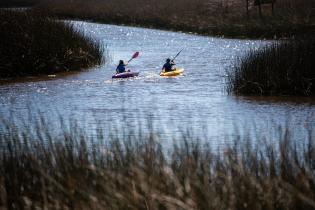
pixel 195 103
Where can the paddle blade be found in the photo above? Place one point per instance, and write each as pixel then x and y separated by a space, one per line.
pixel 135 55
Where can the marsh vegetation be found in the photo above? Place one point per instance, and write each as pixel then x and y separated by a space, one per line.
pixel 34 43
pixel 229 18
pixel 283 68
pixel 46 171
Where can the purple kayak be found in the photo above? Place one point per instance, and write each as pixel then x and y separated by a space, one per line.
pixel 126 74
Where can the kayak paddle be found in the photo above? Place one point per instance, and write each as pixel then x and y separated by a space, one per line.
pixel 177 54
pixel 135 55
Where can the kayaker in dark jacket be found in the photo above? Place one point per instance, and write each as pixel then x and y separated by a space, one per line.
pixel 121 68
pixel 168 66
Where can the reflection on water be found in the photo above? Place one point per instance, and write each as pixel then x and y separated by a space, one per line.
pixel 194 101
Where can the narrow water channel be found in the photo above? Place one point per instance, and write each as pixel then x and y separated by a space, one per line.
pixel 195 102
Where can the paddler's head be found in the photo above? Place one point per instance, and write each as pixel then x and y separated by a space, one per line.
pixel 168 60
pixel 121 62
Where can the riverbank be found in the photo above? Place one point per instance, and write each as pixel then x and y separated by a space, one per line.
pixel 34 43
pixel 284 68
pixel 234 19
pixel 199 17
pixel 41 170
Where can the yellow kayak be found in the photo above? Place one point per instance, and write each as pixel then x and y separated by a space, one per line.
pixel 176 72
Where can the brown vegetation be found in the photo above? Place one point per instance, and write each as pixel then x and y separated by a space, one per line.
pixel 218 17
pixel 233 18
pixel 72 171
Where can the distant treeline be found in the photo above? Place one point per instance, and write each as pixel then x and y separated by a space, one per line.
pixel 33 43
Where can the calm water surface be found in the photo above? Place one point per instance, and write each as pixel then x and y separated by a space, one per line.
pixel 195 101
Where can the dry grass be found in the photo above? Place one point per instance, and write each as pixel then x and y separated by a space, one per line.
pixel 210 17
pixel 42 171
pixel 217 17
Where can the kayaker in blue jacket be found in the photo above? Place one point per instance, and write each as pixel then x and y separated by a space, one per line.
pixel 168 66
pixel 121 68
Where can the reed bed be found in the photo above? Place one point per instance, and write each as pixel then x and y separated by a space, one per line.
pixel 39 170
pixel 285 68
pixel 34 43
pixel 218 17
pixel 229 18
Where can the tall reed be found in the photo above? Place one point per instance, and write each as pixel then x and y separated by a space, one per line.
pixel 285 68
pixel 34 43
pixel 73 171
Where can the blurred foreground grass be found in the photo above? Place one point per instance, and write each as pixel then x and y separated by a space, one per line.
pixel 39 170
